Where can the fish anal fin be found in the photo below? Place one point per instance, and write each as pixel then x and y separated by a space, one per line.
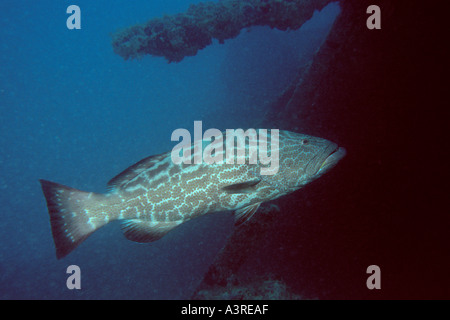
pixel 244 214
pixel 243 187
pixel 146 231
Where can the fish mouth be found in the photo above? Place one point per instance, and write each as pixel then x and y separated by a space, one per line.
pixel 336 154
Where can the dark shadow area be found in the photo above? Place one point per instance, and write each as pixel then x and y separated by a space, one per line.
pixel 378 93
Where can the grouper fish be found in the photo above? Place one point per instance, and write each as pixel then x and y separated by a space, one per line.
pixel 155 195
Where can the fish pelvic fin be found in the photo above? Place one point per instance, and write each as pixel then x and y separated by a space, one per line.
pixel 244 214
pixel 74 215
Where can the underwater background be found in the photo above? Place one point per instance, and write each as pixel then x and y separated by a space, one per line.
pixel 73 112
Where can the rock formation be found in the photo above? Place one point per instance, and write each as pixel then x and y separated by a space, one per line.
pixel 180 35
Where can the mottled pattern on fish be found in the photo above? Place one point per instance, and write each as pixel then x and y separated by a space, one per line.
pixel 155 195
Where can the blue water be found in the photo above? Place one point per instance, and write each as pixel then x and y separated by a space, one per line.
pixel 73 112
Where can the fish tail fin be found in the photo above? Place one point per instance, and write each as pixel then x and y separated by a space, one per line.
pixel 74 215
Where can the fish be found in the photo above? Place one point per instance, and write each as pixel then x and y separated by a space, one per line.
pixel 155 195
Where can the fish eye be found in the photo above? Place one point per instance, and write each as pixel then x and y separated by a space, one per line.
pixel 305 141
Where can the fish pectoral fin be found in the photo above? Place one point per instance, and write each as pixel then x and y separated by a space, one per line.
pixel 244 214
pixel 146 231
pixel 243 187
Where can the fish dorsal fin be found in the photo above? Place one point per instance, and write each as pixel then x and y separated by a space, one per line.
pixel 243 187
pixel 151 165
pixel 146 231
pixel 244 214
